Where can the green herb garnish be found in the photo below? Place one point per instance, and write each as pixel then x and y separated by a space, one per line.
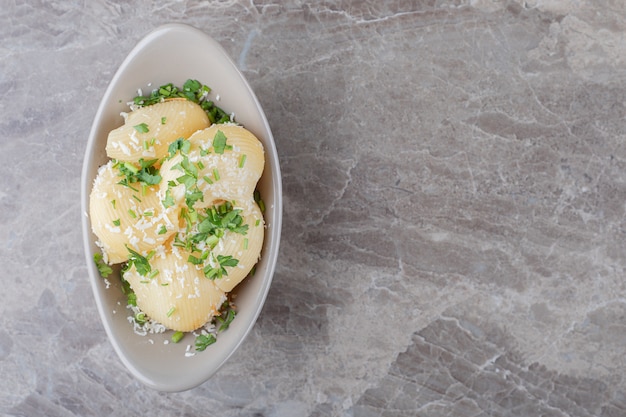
pixel 219 142
pixel 226 318
pixel 221 321
pixel 103 268
pixel 203 341
pixel 259 200
pixel 218 271
pixel 169 200
pixel 180 144
pixel 221 218
pixel 141 318
pixel 146 173
pixel 139 261
pixel 192 90
pixel 142 128
pixel 177 337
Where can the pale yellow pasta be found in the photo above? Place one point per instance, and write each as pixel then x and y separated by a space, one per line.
pixel 230 176
pixel 180 274
pixel 122 217
pixel 179 296
pixel 148 131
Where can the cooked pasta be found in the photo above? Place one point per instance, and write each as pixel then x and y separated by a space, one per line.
pixel 177 205
pixel 179 296
pixel 227 176
pixel 122 217
pixel 148 131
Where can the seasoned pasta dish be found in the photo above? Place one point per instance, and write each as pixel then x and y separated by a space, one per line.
pixel 176 206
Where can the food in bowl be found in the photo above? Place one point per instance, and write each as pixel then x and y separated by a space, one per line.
pixel 177 207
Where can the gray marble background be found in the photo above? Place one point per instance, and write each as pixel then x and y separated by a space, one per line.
pixel 454 187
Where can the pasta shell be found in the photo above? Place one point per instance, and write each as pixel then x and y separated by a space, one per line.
pixel 121 216
pixel 179 296
pixel 232 175
pixel 148 131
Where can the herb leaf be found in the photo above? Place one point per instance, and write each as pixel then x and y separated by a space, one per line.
pixel 259 200
pixel 219 142
pixel 142 128
pixel 180 144
pixel 139 261
pixel 146 173
pixel 219 271
pixel 226 318
pixel 169 200
pixel 177 337
pixel 103 268
pixel 204 340
pixel 192 90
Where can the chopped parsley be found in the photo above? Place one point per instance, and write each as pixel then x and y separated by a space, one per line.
pixel 141 128
pixel 225 319
pixel 222 322
pixel 192 90
pixel 204 230
pixel 259 200
pixel 177 337
pixel 146 173
pixel 180 144
pixel 219 142
pixel 168 201
pixel 141 318
pixel 131 297
pixel 203 341
pixel 139 261
pixel 103 268
pixel 218 271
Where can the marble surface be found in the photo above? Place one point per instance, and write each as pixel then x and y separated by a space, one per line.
pixel 454 186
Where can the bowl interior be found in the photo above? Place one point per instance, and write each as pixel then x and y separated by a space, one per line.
pixel 172 54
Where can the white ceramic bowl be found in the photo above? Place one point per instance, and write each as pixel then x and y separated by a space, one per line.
pixel 174 53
